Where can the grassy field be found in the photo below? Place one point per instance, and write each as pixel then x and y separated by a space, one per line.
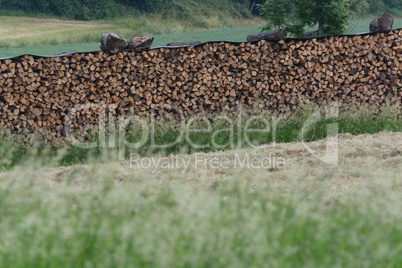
pixel 229 34
pixel 36 32
pixel 304 214
pixel 40 36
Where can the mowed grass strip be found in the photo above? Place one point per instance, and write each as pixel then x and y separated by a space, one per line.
pixel 306 214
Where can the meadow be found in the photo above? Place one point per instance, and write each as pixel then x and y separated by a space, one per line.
pixel 73 207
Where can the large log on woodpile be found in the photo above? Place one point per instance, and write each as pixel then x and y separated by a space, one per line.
pixel 268 36
pixel 41 94
pixel 383 24
pixel 183 44
pixel 387 22
pixel 113 43
pixel 140 43
pixel 375 25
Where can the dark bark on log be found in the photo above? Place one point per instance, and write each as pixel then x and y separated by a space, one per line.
pixel 140 43
pixel 183 44
pixel 386 21
pixel 375 26
pixel 269 36
pixel 383 24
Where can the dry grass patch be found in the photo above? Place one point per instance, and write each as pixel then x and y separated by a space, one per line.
pixel 362 159
pixel 27 31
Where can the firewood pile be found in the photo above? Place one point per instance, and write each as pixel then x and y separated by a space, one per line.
pixel 39 93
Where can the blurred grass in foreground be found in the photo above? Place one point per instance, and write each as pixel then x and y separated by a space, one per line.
pixel 306 214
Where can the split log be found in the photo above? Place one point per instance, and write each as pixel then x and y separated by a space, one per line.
pixel 183 44
pixel 268 36
pixel 140 43
pixel 383 24
pixel 113 43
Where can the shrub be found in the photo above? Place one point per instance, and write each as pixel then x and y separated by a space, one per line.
pixel 75 9
pixel 148 6
pixel 382 6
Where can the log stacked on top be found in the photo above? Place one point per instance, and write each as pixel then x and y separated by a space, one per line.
pixel 114 44
pixel 37 93
pixel 383 24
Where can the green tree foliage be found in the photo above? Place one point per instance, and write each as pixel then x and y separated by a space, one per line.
pixel 276 12
pixel 331 16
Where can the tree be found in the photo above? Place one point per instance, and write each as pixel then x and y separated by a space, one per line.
pixel 331 16
pixel 274 11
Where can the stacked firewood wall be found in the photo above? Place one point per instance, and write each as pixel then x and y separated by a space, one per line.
pixel 37 93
